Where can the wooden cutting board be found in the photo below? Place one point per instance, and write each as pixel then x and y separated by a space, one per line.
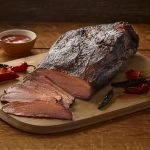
pixel 84 112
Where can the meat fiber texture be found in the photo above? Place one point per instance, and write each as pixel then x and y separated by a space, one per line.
pixel 79 61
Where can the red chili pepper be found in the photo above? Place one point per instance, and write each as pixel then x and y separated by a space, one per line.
pixel 140 89
pixel 8 75
pixel 3 70
pixel 133 74
pixel 21 68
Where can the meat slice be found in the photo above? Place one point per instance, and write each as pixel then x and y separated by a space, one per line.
pixel 17 91
pixel 43 81
pixel 28 97
pixel 89 56
pixel 38 108
pixel 25 93
pixel 40 88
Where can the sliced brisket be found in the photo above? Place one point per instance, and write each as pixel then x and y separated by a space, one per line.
pixel 38 88
pixel 38 108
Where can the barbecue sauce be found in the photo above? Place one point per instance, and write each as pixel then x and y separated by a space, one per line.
pixel 15 39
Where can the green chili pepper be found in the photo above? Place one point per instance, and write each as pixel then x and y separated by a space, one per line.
pixel 107 98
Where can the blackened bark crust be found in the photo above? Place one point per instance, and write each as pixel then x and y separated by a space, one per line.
pixel 95 53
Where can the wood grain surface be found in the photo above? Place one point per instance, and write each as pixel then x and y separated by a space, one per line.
pixel 131 132
pixel 75 10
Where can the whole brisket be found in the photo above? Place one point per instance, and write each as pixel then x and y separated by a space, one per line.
pixel 94 54
pixel 79 62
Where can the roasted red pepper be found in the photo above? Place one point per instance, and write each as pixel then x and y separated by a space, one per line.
pixel 7 74
pixel 10 72
pixel 140 89
pixel 3 70
pixel 21 68
pixel 133 74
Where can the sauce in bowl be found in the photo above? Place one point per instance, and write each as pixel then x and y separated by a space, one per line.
pixel 16 39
